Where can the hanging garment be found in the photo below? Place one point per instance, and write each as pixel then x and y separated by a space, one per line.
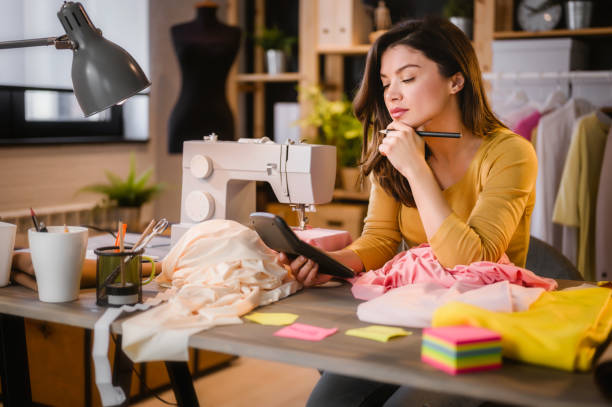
pixel 413 305
pixel 420 265
pixel 526 125
pixel 577 196
pixel 219 270
pixel 603 216
pixel 561 329
pixel 552 143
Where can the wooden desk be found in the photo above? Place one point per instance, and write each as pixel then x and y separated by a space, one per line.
pixel 395 362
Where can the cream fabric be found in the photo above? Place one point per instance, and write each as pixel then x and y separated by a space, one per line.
pixel 219 270
pixel 413 305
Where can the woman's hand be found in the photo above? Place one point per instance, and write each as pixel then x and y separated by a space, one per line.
pixel 404 148
pixel 305 270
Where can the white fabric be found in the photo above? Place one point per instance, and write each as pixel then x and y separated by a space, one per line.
pixel 413 305
pixel 109 394
pixel 552 143
pixel 219 270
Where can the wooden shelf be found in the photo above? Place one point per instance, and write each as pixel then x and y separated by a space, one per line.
pixel 360 49
pixel 264 77
pixel 585 32
pixel 342 194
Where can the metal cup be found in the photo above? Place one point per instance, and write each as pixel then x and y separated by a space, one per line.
pixel 578 14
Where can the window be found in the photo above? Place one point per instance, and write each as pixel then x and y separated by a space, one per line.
pixel 37 104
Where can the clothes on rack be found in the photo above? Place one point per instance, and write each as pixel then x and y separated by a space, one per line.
pixel 577 196
pixel 552 143
pixel 526 125
pixel 603 215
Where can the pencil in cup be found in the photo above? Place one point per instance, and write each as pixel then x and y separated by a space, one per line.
pixel 427 133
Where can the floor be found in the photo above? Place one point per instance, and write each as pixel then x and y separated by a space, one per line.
pixel 250 382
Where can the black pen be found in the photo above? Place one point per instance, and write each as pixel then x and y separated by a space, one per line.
pixel 34 220
pixel 428 133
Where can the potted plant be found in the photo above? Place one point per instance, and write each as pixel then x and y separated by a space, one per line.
pixel 460 13
pixel 277 46
pixel 337 126
pixel 125 197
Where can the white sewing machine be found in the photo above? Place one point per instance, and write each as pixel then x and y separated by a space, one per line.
pixel 219 178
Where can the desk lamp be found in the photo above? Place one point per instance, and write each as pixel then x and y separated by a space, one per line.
pixel 103 73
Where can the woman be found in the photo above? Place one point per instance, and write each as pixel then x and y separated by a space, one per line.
pixel 470 198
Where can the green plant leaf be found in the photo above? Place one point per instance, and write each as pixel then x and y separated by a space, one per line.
pixel 132 191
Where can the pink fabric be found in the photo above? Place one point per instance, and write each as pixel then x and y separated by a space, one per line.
pixel 525 126
pixel 325 239
pixel 419 265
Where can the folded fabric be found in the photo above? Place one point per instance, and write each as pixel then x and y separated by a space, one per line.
pixel 419 265
pixel 413 305
pixel 561 329
pixel 219 270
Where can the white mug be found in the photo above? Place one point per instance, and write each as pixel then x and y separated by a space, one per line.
pixel 7 243
pixel 57 257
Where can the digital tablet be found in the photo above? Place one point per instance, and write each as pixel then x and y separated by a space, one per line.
pixel 277 235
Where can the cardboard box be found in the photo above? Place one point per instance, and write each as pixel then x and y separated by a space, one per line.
pixel 540 55
pixel 343 22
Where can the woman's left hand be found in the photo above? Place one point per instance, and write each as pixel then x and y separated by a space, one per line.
pixel 403 147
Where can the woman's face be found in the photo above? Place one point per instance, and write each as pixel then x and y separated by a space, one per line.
pixel 415 92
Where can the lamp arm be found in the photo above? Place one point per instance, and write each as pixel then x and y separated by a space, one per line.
pixel 61 42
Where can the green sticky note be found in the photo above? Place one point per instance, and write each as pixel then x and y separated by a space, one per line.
pixel 272 318
pixel 378 332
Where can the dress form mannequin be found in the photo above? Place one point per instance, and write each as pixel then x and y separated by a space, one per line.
pixel 206 49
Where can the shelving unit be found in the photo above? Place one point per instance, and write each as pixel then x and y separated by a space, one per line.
pixel 585 32
pixel 493 20
pixel 264 77
pixel 345 50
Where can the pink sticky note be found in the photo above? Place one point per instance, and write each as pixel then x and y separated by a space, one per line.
pixel 305 332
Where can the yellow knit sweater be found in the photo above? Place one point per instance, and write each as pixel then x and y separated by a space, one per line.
pixel 491 210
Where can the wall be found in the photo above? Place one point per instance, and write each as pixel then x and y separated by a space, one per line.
pixel 49 176
pixel 166 79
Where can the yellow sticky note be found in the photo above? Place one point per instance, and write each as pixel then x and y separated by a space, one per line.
pixel 378 332
pixel 272 318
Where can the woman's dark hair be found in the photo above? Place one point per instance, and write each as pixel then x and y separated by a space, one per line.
pixel 446 45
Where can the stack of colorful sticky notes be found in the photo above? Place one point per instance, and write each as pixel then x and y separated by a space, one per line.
pixel 461 349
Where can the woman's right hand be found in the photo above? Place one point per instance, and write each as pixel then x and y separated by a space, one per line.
pixel 305 270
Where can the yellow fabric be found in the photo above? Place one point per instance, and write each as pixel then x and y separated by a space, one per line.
pixel 492 205
pixel 577 196
pixel 561 329
pixel 534 136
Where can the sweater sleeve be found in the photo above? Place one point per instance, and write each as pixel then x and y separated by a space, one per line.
pixel 508 177
pixel 381 235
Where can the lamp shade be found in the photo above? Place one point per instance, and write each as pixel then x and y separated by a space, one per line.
pixel 103 73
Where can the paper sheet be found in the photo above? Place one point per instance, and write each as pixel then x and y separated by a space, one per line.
pixel 305 332
pixel 272 318
pixel 378 332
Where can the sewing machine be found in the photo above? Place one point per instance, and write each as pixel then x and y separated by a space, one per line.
pixel 219 178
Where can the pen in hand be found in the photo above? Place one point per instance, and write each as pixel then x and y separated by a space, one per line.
pixel 427 133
